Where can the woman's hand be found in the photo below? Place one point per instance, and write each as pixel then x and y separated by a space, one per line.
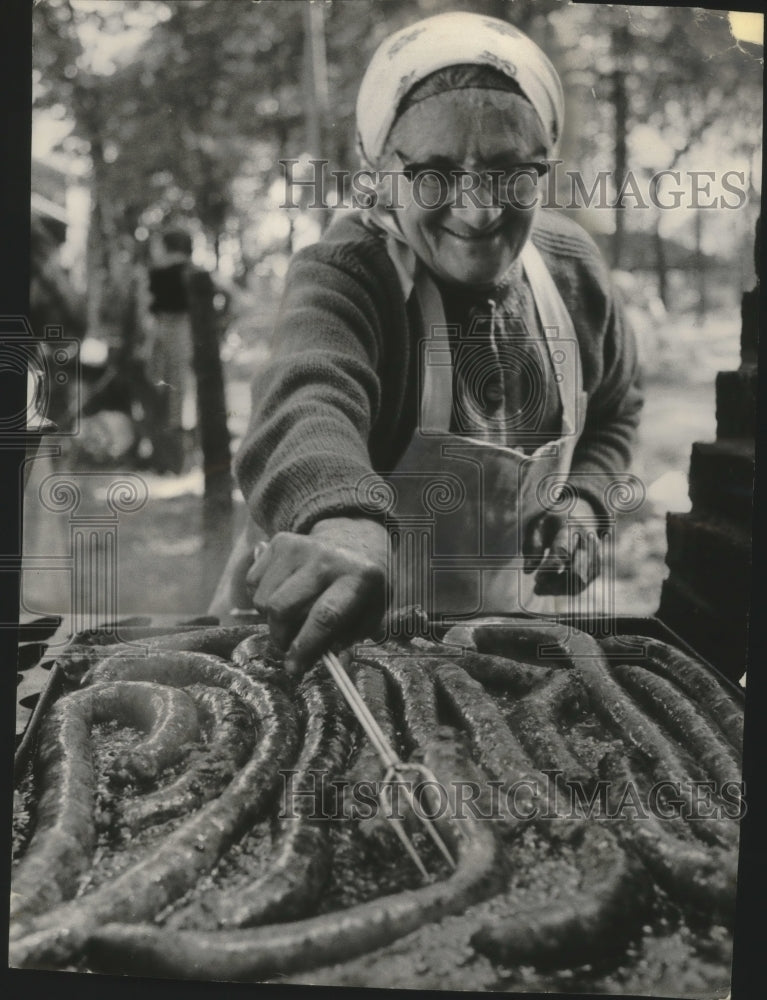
pixel 322 589
pixel 573 557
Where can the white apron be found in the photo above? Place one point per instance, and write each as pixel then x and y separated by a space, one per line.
pixel 463 504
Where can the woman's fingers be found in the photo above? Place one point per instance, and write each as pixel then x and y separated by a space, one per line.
pixel 586 561
pixel 258 564
pixel 287 607
pixel 285 555
pixel 552 575
pixel 571 564
pixel 318 589
pixel 338 612
pixel 538 536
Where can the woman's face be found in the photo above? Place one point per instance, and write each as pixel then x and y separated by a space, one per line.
pixel 470 238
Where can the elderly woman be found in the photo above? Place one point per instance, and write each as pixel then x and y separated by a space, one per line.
pixel 445 361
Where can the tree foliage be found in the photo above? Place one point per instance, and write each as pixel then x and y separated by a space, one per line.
pixel 195 120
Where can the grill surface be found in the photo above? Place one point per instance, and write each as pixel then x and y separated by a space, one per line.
pixel 662 945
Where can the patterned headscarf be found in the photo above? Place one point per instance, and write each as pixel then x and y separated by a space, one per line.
pixel 451 39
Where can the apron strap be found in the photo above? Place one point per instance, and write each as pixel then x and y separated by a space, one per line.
pixel 552 312
pixel 436 368
pixel 559 332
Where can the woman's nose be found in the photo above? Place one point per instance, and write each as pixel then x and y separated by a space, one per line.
pixel 474 211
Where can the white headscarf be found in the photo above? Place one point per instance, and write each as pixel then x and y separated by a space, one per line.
pixel 451 39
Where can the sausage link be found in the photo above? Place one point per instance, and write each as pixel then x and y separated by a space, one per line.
pixel 137 632
pixel 501 672
pixel 495 746
pixel 193 848
pixel 612 704
pixel 64 838
pixel 299 868
pixel 219 640
pixel 701 881
pixel 682 720
pixel 363 781
pixel 173 667
pixel 689 676
pixel 77 658
pixel 174 728
pixel 230 726
pixel 497 749
pixel 544 642
pixel 698 879
pixel 448 753
pixel 261 659
pixel 367 768
pixel 411 677
pixel 535 719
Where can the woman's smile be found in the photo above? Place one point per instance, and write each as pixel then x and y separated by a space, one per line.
pixel 476 235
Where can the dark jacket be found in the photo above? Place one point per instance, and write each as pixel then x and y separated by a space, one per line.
pixel 168 288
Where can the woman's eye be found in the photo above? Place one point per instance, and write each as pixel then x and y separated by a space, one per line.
pixel 426 174
pixel 431 172
pixel 516 185
pixel 415 173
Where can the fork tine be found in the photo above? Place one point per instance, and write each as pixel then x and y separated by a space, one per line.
pixel 426 822
pixel 397 825
pixel 362 712
pixel 429 776
pixel 392 762
pixel 431 829
pixel 408 845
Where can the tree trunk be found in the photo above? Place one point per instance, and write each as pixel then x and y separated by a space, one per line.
pixel 102 281
pixel 621 43
pixel 700 265
pixel 661 265
pixel 98 245
pixel 315 85
pixel 214 433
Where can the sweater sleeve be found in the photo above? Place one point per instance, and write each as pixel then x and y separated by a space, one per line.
pixel 312 408
pixel 612 414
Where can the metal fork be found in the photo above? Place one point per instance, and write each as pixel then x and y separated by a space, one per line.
pixel 395 768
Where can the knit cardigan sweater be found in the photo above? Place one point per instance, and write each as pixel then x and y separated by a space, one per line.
pixel 337 400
